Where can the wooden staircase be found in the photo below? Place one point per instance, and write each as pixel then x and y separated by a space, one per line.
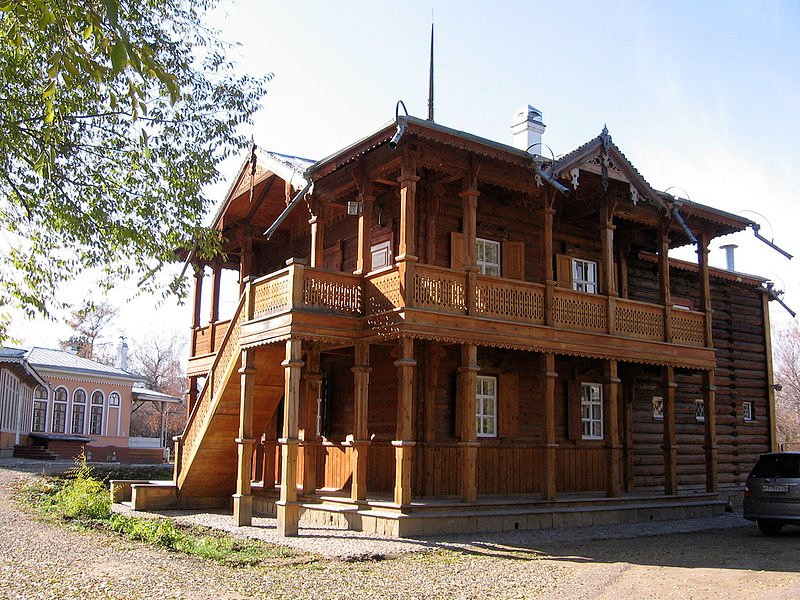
pixel 206 460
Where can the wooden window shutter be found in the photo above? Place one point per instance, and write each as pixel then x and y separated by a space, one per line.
pixel 563 271
pixel 574 429
pixel 457 251
pixel 508 409
pixel 513 260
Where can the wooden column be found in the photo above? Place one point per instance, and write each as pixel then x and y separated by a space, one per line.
pixel 198 295
pixel 246 258
pixel 288 508
pixel 710 406
pixel 611 418
pixel 309 435
pixel 216 277
pixel 360 441
pixel 773 437
pixel 607 265
pixel 468 372
pixel 547 257
pixel 404 445
pixel 198 300
pixel 192 395
pixel 663 277
pixel 705 286
pixel 550 376
pixel 243 498
pixel 364 260
pixel 317 222
pixel 434 203
pixel 408 208
pixel 469 198
pixel 670 445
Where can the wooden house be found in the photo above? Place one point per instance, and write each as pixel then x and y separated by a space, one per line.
pixel 439 332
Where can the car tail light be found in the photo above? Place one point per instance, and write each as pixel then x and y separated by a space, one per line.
pixel 747 492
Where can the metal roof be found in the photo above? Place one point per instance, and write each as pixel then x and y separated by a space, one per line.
pixel 66 362
pixel 142 393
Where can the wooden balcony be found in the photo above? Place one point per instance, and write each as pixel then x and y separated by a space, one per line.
pixel 436 303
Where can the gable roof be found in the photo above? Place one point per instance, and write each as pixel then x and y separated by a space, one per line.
pixel 60 362
pixel 288 167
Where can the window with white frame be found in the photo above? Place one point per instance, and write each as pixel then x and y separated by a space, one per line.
pixel 591 411
pixel 487 256
pixel 658 408
pixel 486 406
pixel 39 408
pixel 96 413
pixel 381 255
pixel 78 411
pixel 749 411
pixel 60 410
pixel 113 399
pixel 584 275
pixel 699 410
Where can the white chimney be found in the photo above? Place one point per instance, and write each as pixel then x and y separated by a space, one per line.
pixel 729 248
pixel 527 129
pixel 122 353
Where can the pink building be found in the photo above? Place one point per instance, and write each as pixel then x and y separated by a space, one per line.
pixel 79 404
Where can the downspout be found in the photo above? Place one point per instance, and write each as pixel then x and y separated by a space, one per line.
pixel 289 208
pixel 679 218
pixel 561 189
pixel 756 227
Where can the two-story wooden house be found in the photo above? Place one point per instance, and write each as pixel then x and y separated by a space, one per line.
pixel 438 332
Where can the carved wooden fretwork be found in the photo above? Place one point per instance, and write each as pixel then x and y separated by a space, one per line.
pixel 383 293
pixel 271 295
pixel 439 289
pixel 336 292
pixel 508 300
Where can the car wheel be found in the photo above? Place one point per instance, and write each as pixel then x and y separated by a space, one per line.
pixel 768 527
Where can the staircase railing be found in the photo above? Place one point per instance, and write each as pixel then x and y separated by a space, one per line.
pixel 224 365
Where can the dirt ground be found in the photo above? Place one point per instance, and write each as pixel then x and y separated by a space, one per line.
pixel 42 560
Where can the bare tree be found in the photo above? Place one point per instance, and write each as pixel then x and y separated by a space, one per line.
pixel 88 324
pixel 160 362
pixel 787 380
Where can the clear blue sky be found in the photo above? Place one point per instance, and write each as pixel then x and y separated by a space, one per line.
pixel 702 96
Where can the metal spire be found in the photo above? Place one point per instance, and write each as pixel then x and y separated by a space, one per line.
pixel 430 77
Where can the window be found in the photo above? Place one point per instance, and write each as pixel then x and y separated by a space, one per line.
pixel 592 411
pixel 381 255
pixel 584 275
pixel 699 410
pixel 96 414
pixel 78 411
pixel 113 399
pixel 486 406
pixel 658 408
pixel 747 409
pixel 60 410
pixel 39 408
pixel 487 256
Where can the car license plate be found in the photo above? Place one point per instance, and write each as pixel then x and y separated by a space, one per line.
pixel 776 489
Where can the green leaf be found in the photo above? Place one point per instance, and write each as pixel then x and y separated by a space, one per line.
pixel 119 56
pixel 49 90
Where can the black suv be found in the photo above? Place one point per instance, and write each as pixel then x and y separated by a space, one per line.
pixel 772 492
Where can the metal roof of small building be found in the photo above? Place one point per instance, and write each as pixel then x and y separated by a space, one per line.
pixel 59 360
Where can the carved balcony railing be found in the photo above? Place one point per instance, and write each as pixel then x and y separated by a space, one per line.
pixel 447 291
pixel 507 300
pixel 578 310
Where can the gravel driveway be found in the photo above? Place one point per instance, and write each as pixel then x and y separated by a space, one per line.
pixel 683 559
